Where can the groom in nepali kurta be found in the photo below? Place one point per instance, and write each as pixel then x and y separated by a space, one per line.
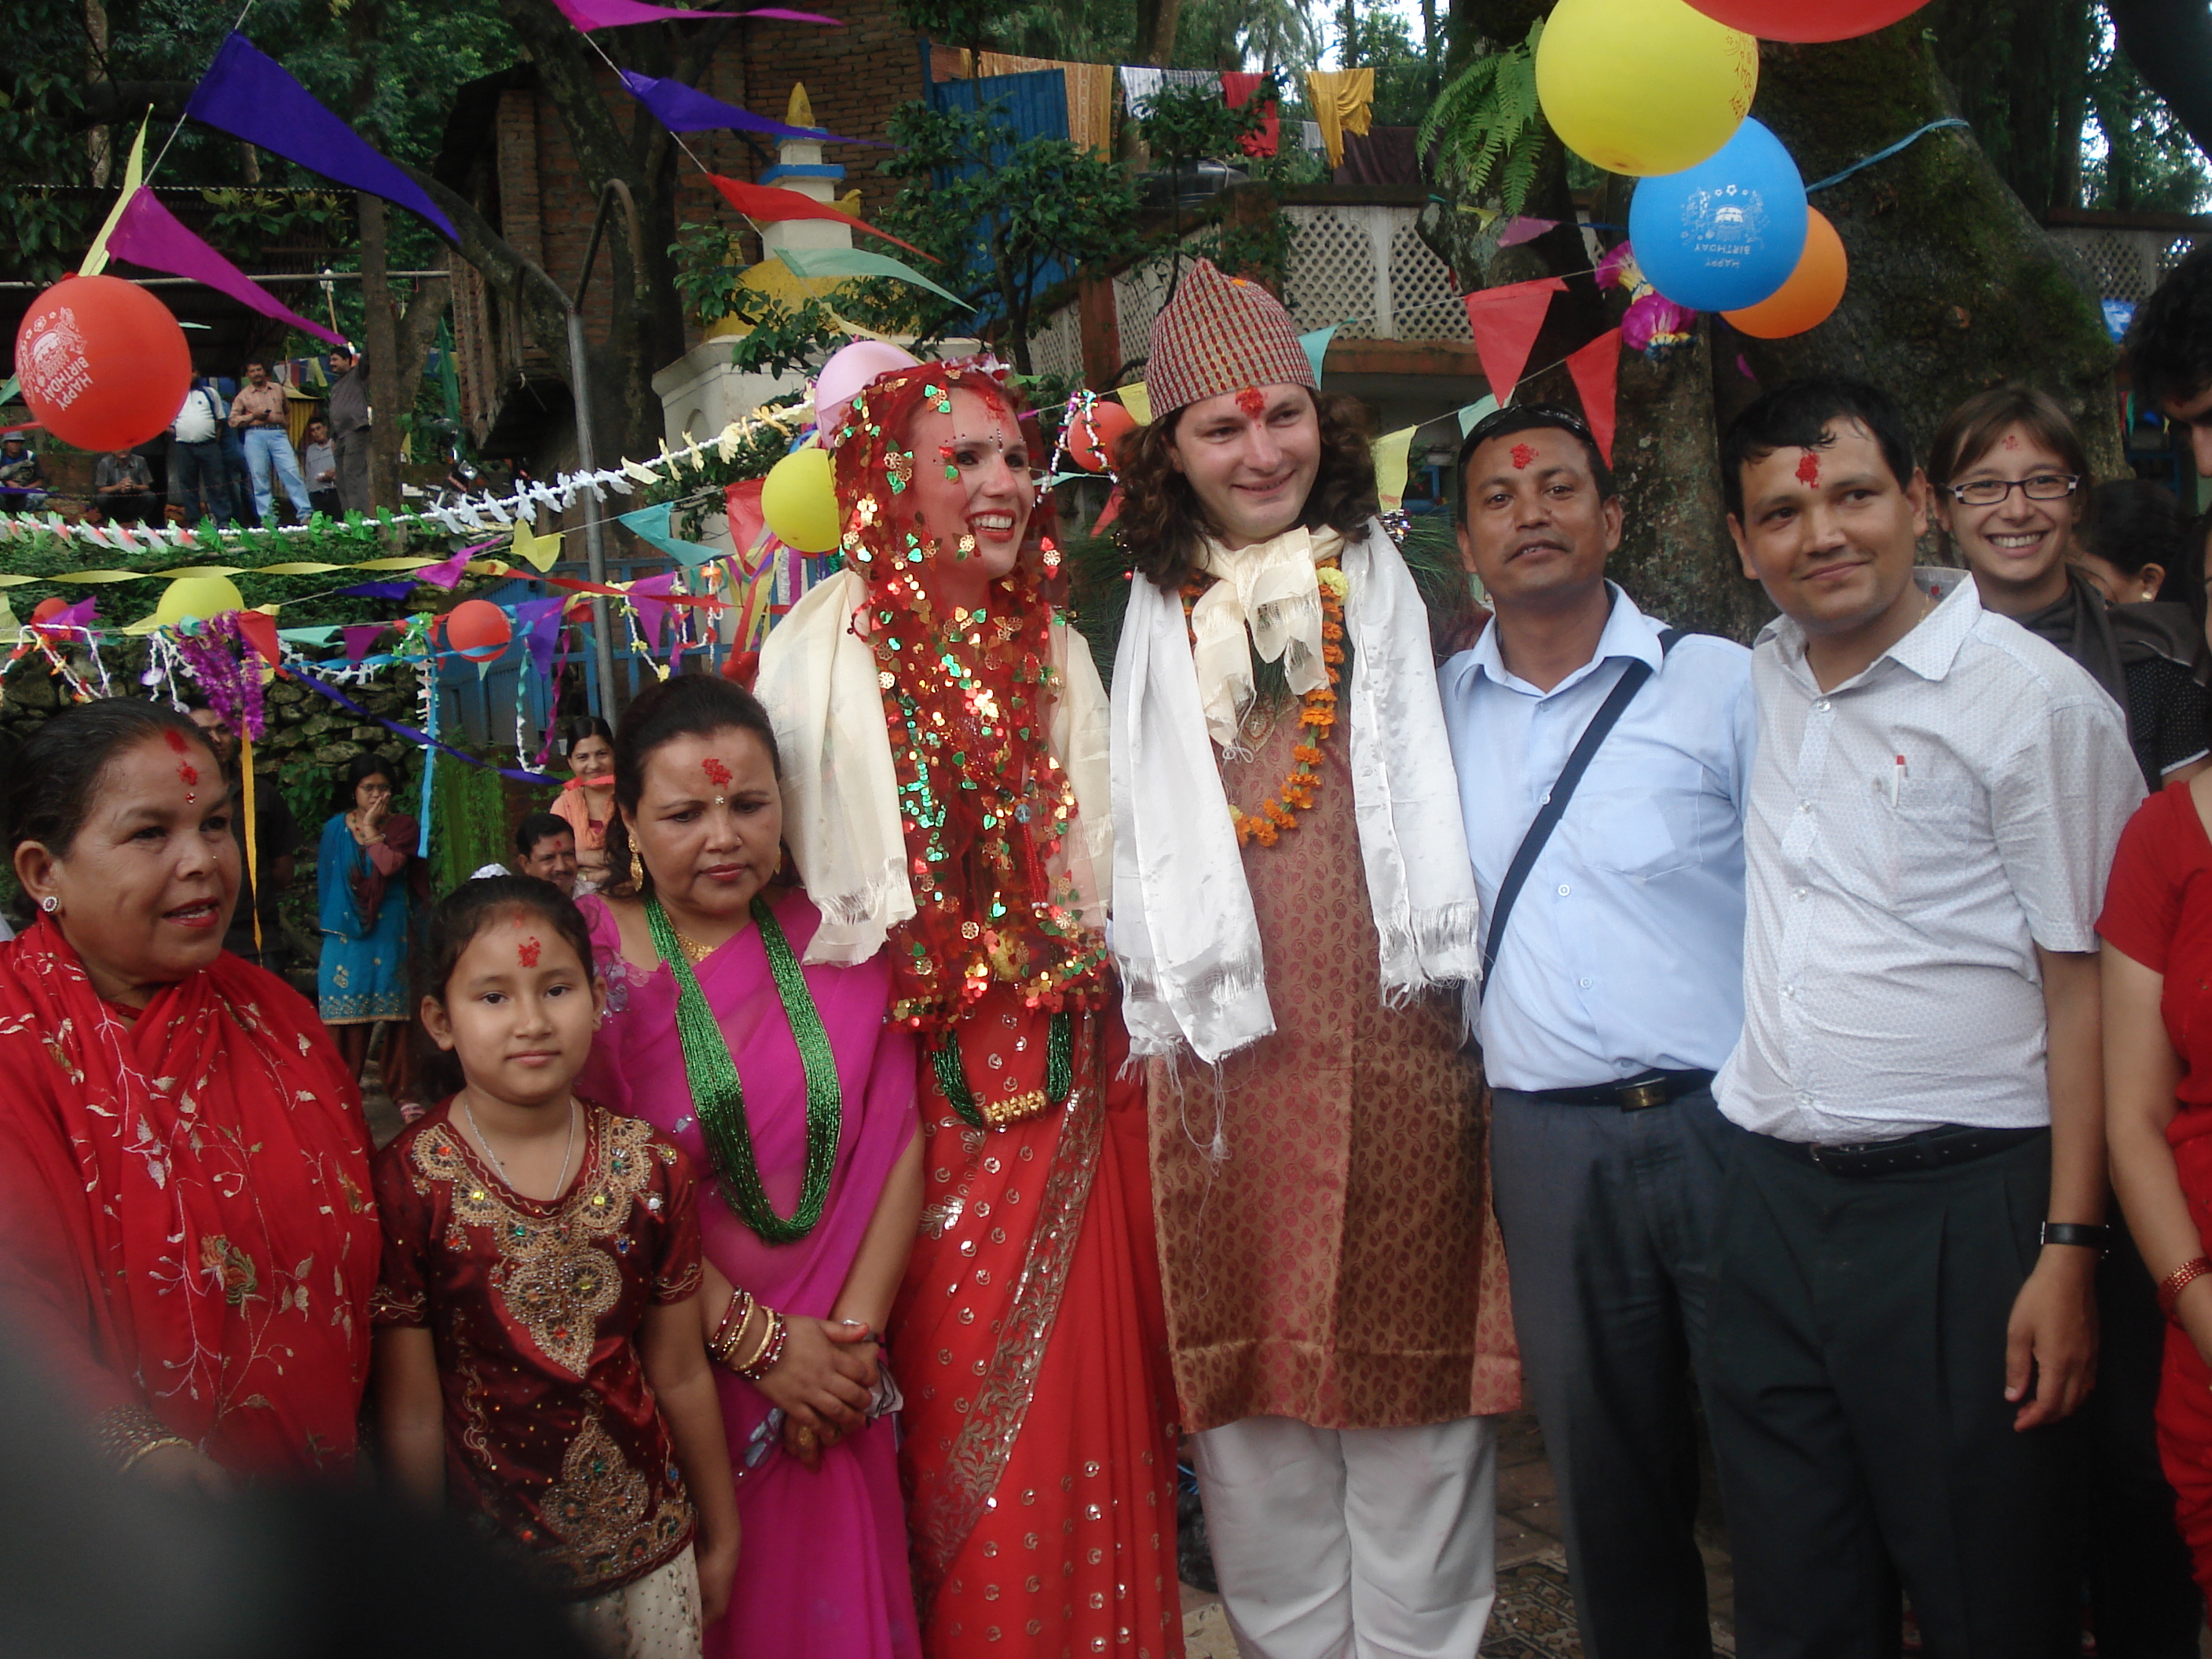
pixel 1294 920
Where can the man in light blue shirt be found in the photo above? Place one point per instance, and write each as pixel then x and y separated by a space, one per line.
pixel 1614 994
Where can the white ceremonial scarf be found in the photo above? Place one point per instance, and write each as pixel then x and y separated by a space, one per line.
pixel 818 683
pixel 1185 936
pixel 1267 601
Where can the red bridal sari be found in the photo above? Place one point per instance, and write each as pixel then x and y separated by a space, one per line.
pixel 190 1241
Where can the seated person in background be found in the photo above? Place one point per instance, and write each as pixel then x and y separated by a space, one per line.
pixel 122 487
pixel 22 480
pixel 545 847
pixel 320 460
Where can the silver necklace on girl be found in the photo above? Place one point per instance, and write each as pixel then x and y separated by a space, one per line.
pixel 567 1148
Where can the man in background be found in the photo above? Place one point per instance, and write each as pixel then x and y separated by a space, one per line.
pixel 23 480
pixel 322 469
pixel 199 487
pixel 257 415
pixel 349 429
pixel 546 848
pixel 122 487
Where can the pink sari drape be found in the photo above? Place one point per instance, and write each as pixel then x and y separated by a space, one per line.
pixel 822 1573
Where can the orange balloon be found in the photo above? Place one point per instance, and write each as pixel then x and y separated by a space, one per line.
pixel 1814 290
pixel 1093 438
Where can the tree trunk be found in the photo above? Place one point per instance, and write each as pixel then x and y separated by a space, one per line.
pixel 1156 21
pixel 381 337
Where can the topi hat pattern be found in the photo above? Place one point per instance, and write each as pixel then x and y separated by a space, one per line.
pixel 1221 334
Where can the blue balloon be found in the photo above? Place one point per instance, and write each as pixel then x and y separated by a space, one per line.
pixel 1726 233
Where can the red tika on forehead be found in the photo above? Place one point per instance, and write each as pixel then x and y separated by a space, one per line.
pixel 527 952
pixel 174 739
pixel 1251 402
pixel 717 773
pixel 1808 468
pixel 188 773
pixel 1522 456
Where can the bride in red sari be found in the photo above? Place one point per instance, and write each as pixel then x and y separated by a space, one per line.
pixel 189 1240
pixel 944 740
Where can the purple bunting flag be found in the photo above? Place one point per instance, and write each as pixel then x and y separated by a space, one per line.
pixel 589 14
pixel 686 109
pixel 149 234
pixel 249 94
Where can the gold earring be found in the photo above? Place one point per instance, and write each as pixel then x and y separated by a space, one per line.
pixel 636 870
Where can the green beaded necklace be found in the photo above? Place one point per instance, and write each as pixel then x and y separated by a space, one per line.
pixel 1059 1070
pixel 718 1094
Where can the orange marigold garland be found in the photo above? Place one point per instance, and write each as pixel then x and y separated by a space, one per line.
pixel 1316 712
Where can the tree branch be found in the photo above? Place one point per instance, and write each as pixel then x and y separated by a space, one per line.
pixel 523 284
pixel 107 103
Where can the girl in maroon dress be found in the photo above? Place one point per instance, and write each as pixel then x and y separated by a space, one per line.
pixel 540 1365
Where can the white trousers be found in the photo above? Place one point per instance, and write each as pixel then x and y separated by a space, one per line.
pixel 1352 1543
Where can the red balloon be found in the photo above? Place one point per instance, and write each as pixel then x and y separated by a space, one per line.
pixel 1093 437
pixel 48 610
pixel 1807 19
pixel 102 362
pixel 478 629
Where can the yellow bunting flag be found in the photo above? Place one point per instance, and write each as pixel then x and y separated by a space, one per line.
pixel 252 838
pixel 642 474
pixel 134 171
pixel 1393 451
pixel 1137 401
pixel 537 552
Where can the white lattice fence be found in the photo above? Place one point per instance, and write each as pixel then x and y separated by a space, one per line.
pixel 2126 263
pixel 1333 271
pixel 1057 350
pixel 1425 299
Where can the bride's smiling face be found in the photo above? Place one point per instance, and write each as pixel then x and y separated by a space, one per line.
pixel 974 494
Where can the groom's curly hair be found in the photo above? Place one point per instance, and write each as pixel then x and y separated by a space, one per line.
pixel 1161 521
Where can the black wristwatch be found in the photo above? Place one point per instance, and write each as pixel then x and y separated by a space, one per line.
pixel 2089 1237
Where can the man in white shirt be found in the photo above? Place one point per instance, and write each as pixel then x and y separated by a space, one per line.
pixel 198 486
pixel 1613 991
pixel 1904 1299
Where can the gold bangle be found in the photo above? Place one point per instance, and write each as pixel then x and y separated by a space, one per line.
pixel 2171 1287
pixel 131 1461
pixel 124 1435
pixel 732 1325
pixel 770 1350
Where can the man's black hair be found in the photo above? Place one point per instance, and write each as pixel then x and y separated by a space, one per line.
pixel 1796 416
pixel 2169 343
pixel 535 828
pixel 1528 417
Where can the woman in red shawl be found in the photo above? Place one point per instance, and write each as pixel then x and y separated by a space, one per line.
pixel 190 1243
pixel 944 737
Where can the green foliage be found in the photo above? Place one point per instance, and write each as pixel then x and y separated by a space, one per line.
pixel 1490 132
pixel 41 83
pixel 1190 124
pixel 468 822
pixel 2148 163
pixel 1379 40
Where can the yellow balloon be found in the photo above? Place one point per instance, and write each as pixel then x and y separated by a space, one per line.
pixel 196 598
pixel 799 499
pixel 1643 87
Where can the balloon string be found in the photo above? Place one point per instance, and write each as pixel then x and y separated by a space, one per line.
pixel 1904 143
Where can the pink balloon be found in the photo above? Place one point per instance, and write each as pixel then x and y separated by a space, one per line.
pixel 850 369
pixel 1807 19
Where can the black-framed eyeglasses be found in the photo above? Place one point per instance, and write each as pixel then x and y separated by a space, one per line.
pixel 1989 492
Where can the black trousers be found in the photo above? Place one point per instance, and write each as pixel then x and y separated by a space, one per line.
pixel 1855 1364
pixel 1610 1219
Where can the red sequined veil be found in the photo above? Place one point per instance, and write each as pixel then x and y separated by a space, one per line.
pixel 1038 1457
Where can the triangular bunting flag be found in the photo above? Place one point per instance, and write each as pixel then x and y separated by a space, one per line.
pixel 1393 455
pixel 1524 229
pixel 771 204
pixel 249 94
pixel 1506 321
pixel 859 262
pixel 686 109
pixel 95 258
pixel 589 14
pixel 741 502
pixel 147 234
pixel 649 598
pixel 1596 371
pixel 537 552
pixel 1138 400
pixel 652 524
pixel 1317 345
pixel 359 637
pixel 1474 412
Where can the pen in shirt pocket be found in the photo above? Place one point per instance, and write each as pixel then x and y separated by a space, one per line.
pixel 1896 780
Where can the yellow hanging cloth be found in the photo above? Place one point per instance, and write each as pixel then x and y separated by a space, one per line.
pixel 1343 101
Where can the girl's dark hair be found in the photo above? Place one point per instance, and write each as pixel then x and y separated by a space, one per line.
pixel 51 785
pixel 459 917
pixel 1161 520
pixel 2132 522
pixel 683 706
pixel 577 728
pixel 362 766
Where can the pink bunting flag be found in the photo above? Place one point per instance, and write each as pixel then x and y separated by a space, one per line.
pixel 741 501
pixel 448 573
pixel 358 637
pixel 149 234
pixel 651 610
pixel 77 616
pixel 589 14
pixel 1506 321
pixel 1524 229
pixel 1596 371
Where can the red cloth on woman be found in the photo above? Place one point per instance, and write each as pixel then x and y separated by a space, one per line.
pixel 1030 1341
pixel 554 1441
pixel 2158 910
pixel 189 1225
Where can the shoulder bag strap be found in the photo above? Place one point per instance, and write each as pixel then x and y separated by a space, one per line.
pixel 1562 791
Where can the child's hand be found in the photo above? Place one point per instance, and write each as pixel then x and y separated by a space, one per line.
pixel 824 1378
pixel 717 1560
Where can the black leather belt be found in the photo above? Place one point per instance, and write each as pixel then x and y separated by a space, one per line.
pixel 1631 1094
pixel 1928 1149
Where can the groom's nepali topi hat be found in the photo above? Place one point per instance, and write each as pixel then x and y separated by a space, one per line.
pixel 1221 334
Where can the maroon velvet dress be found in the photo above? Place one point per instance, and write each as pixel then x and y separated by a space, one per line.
pixel 553 1442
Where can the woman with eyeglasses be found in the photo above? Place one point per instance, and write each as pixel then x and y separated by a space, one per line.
pixel 2011 484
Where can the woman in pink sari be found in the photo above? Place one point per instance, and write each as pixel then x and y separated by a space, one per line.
pixel 787 1087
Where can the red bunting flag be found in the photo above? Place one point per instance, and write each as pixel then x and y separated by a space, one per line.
pixel 1596 371
pixel 741 502
pixel 770 204
pixel 1506 321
